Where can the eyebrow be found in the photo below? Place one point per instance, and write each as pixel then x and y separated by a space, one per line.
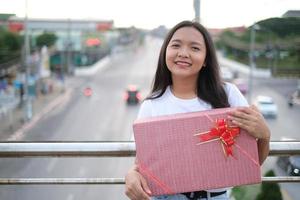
pixel 196 43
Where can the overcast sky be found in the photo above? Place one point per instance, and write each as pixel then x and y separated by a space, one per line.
pixel 152 13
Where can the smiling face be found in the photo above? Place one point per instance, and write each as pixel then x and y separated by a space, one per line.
pixel 185 53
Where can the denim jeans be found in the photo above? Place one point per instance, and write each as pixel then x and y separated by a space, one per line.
pixel 182 197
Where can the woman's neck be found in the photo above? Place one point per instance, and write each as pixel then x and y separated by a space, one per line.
pixel 184 88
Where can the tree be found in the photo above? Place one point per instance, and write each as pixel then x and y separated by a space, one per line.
pixel 10 46
pixel 282 27
pixel 269 191
pixel 46 39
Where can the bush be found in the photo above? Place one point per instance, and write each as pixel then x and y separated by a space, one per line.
pixel 269 191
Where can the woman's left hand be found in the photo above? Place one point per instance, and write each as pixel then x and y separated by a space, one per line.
pixel 250 119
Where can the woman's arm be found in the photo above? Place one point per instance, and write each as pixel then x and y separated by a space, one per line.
pixel 136 187
pixel 263 149
pixel 250 119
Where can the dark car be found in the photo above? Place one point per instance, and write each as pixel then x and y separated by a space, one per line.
pixel 132 95
pixel 294 99
pixel 290 164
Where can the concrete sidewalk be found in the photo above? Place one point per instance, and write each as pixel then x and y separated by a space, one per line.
pixel 13 121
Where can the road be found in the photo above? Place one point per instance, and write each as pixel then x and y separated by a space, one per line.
pixel 105 117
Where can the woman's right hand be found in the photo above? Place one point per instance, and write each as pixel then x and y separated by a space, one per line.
pixel 136 187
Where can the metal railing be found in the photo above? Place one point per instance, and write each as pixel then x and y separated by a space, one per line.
pixel 106 149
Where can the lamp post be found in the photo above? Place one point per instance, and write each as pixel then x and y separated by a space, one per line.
pixel 28 106
pixel 197 10
pixel 251 59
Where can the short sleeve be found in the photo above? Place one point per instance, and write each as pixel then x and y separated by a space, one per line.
pixel 145 110
pixel 235 97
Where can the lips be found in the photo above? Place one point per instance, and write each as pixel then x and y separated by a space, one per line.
pixel 183 63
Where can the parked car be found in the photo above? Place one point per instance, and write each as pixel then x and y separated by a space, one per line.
pixel 266 106
pixel 291 165
pixel 241 84
pixel 132 95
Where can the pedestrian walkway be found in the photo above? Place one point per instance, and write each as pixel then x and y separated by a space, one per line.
pixel 14 119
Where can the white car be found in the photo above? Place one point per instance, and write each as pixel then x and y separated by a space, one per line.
pixel 266 106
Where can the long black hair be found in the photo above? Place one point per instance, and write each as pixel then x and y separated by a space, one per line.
pixel 209 83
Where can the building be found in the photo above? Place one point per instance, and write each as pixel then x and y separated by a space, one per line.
pixel 292 13
pixel 79 42
pixel 74 32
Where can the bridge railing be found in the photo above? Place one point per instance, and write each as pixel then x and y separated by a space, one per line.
pixel 106 149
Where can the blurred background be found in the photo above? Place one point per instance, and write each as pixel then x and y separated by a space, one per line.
pixel 78 71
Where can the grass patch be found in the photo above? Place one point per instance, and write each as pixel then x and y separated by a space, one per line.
pixel 248 192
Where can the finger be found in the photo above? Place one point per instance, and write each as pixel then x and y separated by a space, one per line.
pixel 138 194
pixel 241 115
pixel 242 123
pixel 145 186
pixel 247 110
pixel 254 107
pixel 246 126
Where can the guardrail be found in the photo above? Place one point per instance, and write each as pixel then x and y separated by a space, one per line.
pixel 106 149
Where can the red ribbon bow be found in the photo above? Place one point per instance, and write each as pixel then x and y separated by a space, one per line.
pixel 224 132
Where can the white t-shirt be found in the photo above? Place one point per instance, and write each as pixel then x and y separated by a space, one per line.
pixel 169 104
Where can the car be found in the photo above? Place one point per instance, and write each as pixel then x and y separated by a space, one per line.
pixel 241 85
pixel 266 106
pixel 132 95
pixel 290 164
pixel 294 99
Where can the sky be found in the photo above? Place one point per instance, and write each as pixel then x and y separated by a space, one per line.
pixel 150 14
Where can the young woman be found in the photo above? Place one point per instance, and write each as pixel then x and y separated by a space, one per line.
pixel 188 79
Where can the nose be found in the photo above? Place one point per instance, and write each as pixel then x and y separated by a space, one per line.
pixel 183 52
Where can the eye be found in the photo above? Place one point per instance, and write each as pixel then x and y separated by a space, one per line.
pixel 195 48
pixel 175 45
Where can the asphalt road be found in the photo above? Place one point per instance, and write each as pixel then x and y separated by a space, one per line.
pixel 105 117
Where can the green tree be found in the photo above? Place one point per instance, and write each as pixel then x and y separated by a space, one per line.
pixel 46 39
pixel 269 191
pixel 10 45
pixel 282 27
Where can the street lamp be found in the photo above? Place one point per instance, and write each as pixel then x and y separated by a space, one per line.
pixel 197 10
pixel 251 59
pixel 28 106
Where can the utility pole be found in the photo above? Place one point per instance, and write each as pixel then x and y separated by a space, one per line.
pixel 69 46
pixel 197 10
pixel 28 106
pixel 252 60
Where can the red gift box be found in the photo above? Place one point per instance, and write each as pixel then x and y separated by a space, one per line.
pixel 192 151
